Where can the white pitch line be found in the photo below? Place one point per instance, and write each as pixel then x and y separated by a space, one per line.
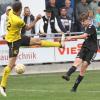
pixel 94 91
pixel 29 90
pixel 50 91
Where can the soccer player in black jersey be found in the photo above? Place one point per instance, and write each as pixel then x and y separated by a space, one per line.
pixel 87 53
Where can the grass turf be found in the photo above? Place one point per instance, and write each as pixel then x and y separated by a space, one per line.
pixel 52 87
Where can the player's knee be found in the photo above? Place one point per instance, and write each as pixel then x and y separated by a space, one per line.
pixel 77 62
pixel 82 72
pixel 11 65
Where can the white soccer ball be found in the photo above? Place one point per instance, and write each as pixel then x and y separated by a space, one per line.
pixel 19 68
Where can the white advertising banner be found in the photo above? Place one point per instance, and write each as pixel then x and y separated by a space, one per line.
pixel 28 55
pixel 69 52
pixel 45 55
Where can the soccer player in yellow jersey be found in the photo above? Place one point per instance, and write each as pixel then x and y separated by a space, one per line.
pixel 15 40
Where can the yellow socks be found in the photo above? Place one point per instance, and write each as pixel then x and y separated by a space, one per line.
pixel 6 73
pixel 45 43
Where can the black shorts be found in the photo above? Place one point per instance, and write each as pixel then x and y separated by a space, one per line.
pixel 14 46
pixel 86 55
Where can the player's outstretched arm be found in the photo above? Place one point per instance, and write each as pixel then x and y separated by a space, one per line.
pixel 83 36
pixel 31 25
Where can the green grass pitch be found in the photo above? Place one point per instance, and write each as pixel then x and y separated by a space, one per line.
pixel 52 87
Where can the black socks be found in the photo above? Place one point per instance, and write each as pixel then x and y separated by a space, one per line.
pixel 77 82
pixel 71 70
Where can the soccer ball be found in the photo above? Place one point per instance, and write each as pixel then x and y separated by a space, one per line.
pixel 19 68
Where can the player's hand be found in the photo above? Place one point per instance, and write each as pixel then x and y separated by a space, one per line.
pixel 3 36
pixel 38 17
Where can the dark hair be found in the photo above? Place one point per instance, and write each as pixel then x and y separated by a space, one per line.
pixel 17 6
pixel 83 16
pixel 26 7
pixel 63 8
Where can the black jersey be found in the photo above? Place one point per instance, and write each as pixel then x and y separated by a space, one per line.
pixel 91 41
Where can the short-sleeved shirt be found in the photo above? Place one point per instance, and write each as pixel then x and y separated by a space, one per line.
pixel 97 20
pixel 14 25
pixel 91 41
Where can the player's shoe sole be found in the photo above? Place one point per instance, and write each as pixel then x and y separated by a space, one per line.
pixel 73 90
pixel 2 91
pixel 62 41
pixel 66 77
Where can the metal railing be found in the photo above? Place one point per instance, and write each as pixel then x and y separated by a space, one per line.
pixel 57 35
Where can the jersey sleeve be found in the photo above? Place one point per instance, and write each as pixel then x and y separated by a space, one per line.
pixel 21 23
pixel 90 30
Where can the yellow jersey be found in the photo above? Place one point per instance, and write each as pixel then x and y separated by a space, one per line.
pixel 14 26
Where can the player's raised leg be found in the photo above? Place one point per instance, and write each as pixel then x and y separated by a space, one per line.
pixel 46 43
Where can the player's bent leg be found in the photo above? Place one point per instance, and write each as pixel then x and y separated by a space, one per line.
pixel 5 75
pixel 77 63
pixel 44 43
pixel 81 76
pixel 60 44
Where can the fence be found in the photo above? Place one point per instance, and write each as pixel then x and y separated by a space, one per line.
pixel 29 55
